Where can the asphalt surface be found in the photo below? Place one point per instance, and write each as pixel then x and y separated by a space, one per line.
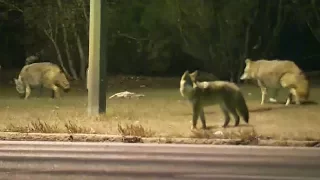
pixel 71 160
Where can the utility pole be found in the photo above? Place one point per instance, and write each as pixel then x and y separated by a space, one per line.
pixel 97 58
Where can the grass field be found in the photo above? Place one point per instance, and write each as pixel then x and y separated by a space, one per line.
pixel 162 112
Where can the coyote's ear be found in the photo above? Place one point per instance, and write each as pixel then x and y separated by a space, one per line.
pixel 195 73
pixel 15 80
pixel 247 61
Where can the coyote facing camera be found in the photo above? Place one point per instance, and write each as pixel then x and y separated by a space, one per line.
pixel 38 75
pixel 277 74
pixel 208 93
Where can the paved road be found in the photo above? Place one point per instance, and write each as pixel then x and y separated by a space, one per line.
pixel 65 160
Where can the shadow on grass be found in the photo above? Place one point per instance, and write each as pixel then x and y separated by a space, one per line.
pixel 280 105
pixel 212 127
pixel 260 109
pixel 304 103
pixel 230 126
pixel 310 103
pixel 190 113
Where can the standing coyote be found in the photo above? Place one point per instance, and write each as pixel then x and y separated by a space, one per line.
pixel 276 74
pixel 45 74
pixel 208 93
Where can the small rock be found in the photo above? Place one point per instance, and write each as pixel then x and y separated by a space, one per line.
pixel 70 138
pixel 218 133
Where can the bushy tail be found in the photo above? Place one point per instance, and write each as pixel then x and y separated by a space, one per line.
pixel 242 107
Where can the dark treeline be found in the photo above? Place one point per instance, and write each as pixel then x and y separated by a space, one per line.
pixel 163 37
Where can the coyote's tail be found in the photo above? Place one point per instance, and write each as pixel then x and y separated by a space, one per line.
pixel 242 107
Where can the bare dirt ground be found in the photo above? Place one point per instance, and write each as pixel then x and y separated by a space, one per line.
pixel 162 112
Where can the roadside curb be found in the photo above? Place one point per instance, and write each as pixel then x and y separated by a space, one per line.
pixel 13 136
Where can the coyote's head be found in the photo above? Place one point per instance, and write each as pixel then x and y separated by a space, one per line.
pixel 20 86
pixel 248 70
pixel 63 82
pixel 194 75
pixel 303 87
pixel 186 84
pixel 200 76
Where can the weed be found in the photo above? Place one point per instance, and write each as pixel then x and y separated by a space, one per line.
pixel 135 130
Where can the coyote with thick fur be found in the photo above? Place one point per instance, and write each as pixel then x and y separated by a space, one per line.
pixel 44 74
pixel 276 74
pixel 208 93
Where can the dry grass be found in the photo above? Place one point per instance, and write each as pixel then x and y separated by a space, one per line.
pixel 246 135
pixel 162 112
pixel 33 126
pixel 73 127
pixel 45 127
pixel 135 130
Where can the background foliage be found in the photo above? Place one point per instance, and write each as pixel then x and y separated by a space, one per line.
pixel 162 37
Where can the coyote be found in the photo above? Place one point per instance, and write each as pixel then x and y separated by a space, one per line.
pixel 44 74
pixel 208 93
pixel 276 74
